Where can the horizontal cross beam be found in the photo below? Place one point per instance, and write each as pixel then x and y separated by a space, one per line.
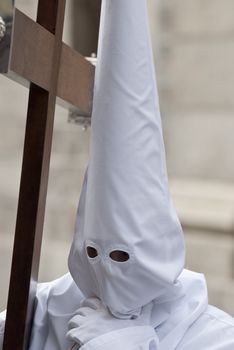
pixel 27 57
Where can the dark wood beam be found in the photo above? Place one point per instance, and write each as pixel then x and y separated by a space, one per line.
pixel 33 188
pixel 31 60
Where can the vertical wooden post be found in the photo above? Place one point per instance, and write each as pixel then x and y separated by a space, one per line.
pixel 33 188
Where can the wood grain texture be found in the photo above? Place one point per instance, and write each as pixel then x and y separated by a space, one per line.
pixel 33 188
pixel 31 61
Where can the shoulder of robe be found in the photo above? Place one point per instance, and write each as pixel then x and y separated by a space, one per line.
pixel 56 302
pixel 60 295
pixel 213 330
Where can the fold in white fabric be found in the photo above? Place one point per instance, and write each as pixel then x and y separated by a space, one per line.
pixel 93 320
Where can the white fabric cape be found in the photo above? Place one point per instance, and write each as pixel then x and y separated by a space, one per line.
pixel 189 323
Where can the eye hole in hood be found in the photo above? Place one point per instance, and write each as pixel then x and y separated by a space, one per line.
pixel 92 252
pixel 119 255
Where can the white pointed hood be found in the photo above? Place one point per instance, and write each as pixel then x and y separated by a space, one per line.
pixel 125 209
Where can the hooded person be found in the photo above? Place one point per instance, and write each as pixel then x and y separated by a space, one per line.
pixel 128 287
pixel 128 248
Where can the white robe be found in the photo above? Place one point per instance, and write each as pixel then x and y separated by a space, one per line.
pixel 57 302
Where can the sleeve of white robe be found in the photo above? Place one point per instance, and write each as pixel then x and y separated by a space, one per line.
pixel 213 330
pixel 131 338
pixel 56 303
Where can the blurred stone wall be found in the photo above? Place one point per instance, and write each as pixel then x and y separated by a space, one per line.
pixel 193 47
pixel 194 51
pixel 196 72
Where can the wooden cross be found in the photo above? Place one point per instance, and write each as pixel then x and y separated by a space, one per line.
pixel 33 54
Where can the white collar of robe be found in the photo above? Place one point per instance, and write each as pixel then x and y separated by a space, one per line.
pixel 128 247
